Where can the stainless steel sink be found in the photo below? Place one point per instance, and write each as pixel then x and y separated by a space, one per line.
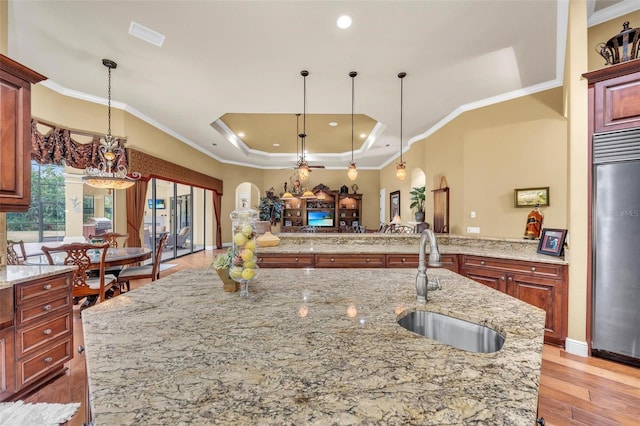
pixel 452 331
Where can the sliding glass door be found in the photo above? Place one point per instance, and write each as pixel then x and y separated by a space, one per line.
pixel 176 210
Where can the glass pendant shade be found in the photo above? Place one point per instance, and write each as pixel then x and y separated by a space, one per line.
pixel 303 172
pixel 401 171
pixel 287 196
pixel 352 173
pixel 308 194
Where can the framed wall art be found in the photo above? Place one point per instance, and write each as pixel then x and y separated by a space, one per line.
pixel 552 241
pixel 394 205
pixel 529 197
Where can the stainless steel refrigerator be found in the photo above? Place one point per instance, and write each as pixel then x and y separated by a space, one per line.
pixel 615 328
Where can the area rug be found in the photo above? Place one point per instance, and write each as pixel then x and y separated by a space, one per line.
pixel 40 414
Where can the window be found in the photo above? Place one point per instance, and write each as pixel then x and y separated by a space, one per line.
pixel 45 219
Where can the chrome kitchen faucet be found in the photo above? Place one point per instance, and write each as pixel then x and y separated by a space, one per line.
pixel 422 281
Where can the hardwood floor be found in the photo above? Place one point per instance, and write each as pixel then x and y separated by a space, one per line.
pixel 573 390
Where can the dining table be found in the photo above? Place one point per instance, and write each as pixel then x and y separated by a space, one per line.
pixel 116 256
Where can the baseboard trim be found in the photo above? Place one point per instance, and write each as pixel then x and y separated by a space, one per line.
pixel 576 347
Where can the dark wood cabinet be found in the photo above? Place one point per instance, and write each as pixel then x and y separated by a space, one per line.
pixel 40 341
pixel 15 134
pixel 329 211
pixel 540 284
pixel 341 260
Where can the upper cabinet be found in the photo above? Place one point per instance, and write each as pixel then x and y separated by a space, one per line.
pixel 614 97
pixel 15 134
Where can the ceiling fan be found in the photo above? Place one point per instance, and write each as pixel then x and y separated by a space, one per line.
pixel 303 168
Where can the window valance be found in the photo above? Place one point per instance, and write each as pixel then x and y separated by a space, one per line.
pixel 58 147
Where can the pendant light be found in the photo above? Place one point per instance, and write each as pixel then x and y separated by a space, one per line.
pixel 303 167
pixel 287 194
pixel 352 173
pixel 401 167
pixel 109 175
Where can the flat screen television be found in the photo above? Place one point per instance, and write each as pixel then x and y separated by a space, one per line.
pixel 159 204
pixel 320 219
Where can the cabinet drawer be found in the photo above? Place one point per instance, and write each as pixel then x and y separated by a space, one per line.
pixel 27 292
pixel 31 338
pixel 350 261
pixel 35 312
pixel 44 362
pixel 545 270
pixel 402 261
pixel 285 260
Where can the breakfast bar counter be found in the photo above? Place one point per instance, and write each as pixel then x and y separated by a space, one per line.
pixel 308 346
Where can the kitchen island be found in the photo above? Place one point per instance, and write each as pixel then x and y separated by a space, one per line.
pixel 309 346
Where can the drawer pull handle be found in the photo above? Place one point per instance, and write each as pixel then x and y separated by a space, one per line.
pixel 510 279
pixel 533 269
pixel 48 360
pixel 47 307
pixel 80 349
pixel 47 331
pixel 47 287
pixel 368 260
pixel 404 260
pixel 502 278
pixel 482 262
pixel 332 259
pixel 296 259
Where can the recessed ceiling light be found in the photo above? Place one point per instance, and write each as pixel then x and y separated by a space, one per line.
pixel 363 135
pixel 214 144
pixel 241 134
pixel 333 124
pixel 146 34
pixel 344 22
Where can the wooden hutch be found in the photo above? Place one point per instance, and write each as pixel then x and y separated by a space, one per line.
pixel 328 211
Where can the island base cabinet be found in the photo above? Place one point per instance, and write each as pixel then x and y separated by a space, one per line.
pixel 539 284
pixel 272 260
pixel 350 261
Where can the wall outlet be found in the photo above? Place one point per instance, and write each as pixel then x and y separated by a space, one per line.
pixel 473 214
pixel 473 230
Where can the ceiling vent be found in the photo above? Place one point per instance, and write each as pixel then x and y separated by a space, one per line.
pixel 146 34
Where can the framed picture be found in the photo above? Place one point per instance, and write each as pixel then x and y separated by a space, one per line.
pixel 394 205
pixel 355 223
pixel 552 241
pixel 529 197
pixel 287 223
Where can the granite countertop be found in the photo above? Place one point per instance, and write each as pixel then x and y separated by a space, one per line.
pixel 309 346
pixel 501 248
pixel 15 274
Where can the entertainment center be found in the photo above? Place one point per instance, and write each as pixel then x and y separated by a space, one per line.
pixel 328 211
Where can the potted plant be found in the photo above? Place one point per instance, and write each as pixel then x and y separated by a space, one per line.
pixel 417 197
pixel 221 265
pixel 270 208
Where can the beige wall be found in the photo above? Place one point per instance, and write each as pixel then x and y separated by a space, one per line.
pixel 485 154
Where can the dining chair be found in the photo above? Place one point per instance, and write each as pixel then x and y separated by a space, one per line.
pixel 13 257
pixel 111 238
pixel 143 271
pixel 86 257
